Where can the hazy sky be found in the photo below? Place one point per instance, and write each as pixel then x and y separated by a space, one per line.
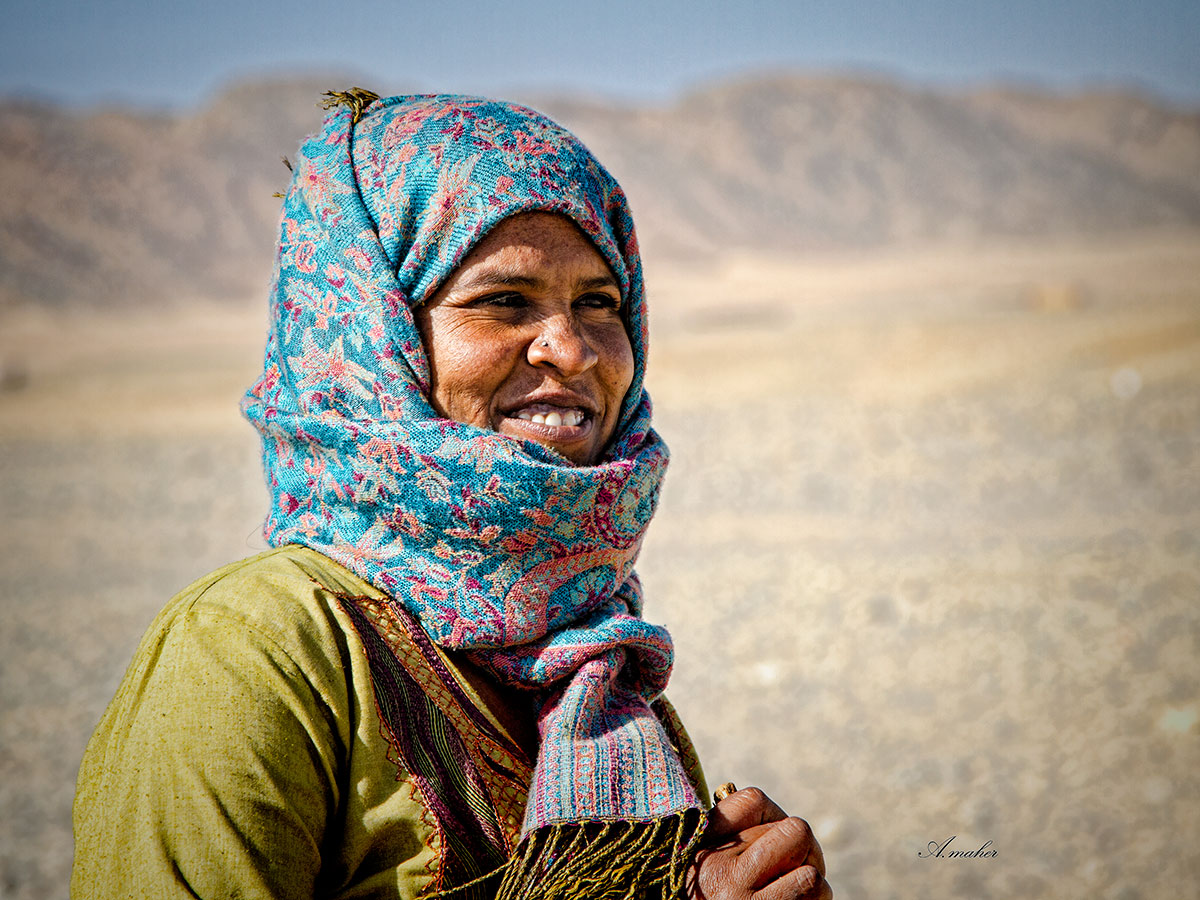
pixel 159 52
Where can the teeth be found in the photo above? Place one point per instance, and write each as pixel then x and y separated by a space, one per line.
pixel 571 417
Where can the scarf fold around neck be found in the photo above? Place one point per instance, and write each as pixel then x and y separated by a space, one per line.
pixel 499 547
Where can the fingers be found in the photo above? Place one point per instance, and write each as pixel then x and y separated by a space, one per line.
pixel 785 846
pixel 742 810
pixel 805 883
pixel 756 849
pixel 720 875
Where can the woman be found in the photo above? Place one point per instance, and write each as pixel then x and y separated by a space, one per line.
pixel 439 679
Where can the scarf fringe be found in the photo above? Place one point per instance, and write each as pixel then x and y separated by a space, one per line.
pixel 599 861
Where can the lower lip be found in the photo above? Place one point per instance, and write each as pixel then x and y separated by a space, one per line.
pixel 552 435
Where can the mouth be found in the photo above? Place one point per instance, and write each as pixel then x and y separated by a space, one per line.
pixel 561 426
pixel 548 414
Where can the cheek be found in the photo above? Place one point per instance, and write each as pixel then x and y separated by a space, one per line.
pixel 466 375
pixel 618 366
pixel 464 380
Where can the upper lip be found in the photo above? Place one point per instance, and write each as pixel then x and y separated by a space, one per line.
pixel 563 399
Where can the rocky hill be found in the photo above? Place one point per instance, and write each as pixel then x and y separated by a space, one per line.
pixel 114 207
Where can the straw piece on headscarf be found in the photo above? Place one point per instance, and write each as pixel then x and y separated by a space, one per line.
pixel 356 99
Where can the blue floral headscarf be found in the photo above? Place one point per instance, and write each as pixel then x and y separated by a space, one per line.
pixel 499 547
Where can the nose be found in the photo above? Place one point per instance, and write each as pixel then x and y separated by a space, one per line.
pixel 562 345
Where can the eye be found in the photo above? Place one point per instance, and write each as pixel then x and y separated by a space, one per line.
pixel 501 300
pixel 599 300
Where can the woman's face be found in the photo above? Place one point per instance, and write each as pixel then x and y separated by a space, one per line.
pixel 526 338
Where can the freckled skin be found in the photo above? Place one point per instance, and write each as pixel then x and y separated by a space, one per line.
pixel 531 319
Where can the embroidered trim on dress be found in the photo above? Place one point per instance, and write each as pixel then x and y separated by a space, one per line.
pixel 470 776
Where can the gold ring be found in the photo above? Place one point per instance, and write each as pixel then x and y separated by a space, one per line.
pixel 724 791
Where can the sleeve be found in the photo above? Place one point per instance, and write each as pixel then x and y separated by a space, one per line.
pixel 214 773
pixel 682 742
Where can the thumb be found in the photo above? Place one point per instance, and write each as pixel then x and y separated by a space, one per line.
pixel 740 811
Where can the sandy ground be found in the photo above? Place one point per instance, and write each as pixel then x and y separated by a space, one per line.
pixel 930 548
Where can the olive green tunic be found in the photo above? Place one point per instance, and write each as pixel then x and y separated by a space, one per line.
pixel 244 754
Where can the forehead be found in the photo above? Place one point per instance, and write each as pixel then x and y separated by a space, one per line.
pixel 545 240
pixel 535 250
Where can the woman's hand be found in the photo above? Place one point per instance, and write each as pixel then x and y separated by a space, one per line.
pixel 754 849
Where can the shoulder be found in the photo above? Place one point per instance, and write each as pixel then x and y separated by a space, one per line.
pixel 243 725
pixel 271 591
pixel 283 602
pixel 259 644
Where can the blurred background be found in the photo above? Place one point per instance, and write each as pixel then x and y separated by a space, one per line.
pixel 925 281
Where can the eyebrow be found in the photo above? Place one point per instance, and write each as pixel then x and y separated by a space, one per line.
pixel 500 278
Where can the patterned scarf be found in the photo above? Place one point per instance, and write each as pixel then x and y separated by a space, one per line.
pixel 499 547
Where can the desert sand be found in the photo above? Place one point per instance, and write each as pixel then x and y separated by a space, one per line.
pixel 929 548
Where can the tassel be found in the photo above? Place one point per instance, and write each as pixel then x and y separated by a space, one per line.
pixel 603 860
pixel 356 99
pixel 599 861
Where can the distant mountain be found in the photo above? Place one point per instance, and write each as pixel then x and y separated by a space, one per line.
pixel 115 207
pixel 797 164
